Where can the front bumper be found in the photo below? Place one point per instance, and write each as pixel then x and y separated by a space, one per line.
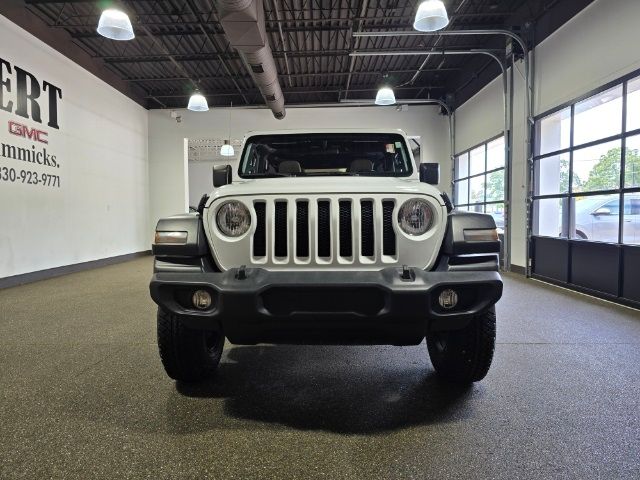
pixel 376 307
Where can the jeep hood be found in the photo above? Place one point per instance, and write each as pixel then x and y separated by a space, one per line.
pixel 328 185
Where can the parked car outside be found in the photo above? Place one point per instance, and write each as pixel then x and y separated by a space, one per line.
pixel 598 217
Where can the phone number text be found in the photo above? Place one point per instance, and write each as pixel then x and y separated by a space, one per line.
pixel 31 178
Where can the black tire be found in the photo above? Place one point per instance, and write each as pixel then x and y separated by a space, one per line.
pixel 464 356
pixel 187 355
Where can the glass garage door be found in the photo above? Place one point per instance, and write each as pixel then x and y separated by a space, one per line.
pixel 585 209
pixel 478 184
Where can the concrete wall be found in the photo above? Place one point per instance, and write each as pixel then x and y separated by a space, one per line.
pixel 169 187
pixel 595 47
pixel 92 201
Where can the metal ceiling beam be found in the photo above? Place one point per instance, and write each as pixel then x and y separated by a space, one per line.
pixel 208 56
pixel 192 28
pixel 354 45
pixel 45 2
pixel 300 24
pixel 293 91
pixel 293 75
pixel 215 45
pixel 193 57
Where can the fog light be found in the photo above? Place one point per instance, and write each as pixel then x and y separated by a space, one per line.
pixel 201 299
pixel 448 299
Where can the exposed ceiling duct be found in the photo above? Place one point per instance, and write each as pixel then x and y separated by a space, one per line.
pixel 243 23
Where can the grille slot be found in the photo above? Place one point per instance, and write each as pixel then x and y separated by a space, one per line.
pixel 280 226
pixel 367 240
pixel 302 229
pixel 388 235
pixel 346 234
pixel 324 229
pixel 260 235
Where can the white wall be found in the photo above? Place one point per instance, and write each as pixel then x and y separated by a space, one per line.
pixel 101 208
pixel 598 45
pixel 167 160
pixel 200 178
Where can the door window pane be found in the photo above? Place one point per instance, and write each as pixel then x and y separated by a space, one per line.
pixel 597 218
pixel 496 210
pixel 598 117
pixel 632 162
pixel 547 217
pixel 495 186
pixel 495 154
pixel 476 189
pixel 597 168
pixel 462 192
pixel 462 166
pixel 633 104
pixel 631 223
pixel 476 160
pixel 554 132
pixel 552 175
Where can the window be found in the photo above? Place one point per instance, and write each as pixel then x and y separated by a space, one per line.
pixel 587 162
pixel 479 180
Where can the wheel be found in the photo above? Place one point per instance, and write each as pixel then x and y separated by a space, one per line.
pixel 464 356
pixel 187 355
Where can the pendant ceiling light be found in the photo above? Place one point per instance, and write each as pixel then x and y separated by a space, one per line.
pixel 431 16
pixel 385 96
pixel 115 24
pixel 227 148
pixel 197 103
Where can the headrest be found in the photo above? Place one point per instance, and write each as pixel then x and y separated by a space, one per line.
pixel 289 166
pixel 361 165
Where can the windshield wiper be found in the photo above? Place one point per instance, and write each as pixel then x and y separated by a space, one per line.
pixel 269 175
pixel 373 174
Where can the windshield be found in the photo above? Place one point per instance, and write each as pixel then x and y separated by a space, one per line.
pixel 286 155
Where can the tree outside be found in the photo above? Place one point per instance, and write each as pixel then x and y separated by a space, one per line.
pixel 605 174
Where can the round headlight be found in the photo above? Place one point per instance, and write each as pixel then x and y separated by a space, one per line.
pixel 415 216
pixel 233 219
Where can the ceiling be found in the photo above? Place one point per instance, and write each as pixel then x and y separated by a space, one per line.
pixel 180 43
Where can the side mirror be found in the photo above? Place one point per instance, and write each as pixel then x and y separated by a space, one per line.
pixel 222 175
pixel 430 173
pixel 602 211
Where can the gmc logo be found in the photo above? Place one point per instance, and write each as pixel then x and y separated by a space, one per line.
pixel 26 132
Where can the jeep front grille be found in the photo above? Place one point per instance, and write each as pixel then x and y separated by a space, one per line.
pixel 323 231
pixel 302 229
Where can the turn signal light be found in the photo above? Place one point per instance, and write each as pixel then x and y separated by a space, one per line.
pixel 481 235
pixel 171 238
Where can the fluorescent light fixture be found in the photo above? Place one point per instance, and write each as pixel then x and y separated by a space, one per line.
pixel 431 16
pixel 227 150
pixel 197 103
pixel 385 96
pixel 115 24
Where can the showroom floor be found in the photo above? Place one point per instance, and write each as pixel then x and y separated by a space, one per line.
pixel 83 395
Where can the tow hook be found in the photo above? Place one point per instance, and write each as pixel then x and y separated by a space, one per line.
pixel 407 275
pixel 241 274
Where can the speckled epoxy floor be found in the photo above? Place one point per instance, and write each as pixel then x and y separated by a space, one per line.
pixel 83 395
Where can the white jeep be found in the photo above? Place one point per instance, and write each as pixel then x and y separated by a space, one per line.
pixel 327 237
